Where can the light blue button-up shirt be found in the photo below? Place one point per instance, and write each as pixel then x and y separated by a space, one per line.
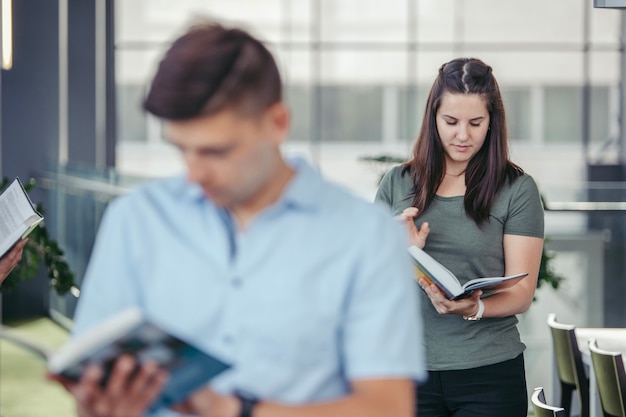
pixel 316 292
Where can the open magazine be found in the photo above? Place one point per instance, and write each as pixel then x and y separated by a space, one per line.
pixel 435 273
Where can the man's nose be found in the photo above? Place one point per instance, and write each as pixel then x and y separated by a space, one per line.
pixel 198 169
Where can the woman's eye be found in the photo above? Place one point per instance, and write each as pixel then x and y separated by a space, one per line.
pixel 475 124
pixel 449 123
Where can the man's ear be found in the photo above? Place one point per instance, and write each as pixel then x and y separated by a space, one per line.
pixel 278 118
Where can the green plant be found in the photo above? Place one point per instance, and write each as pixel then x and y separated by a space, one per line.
pixel 546 271
pixel 40 247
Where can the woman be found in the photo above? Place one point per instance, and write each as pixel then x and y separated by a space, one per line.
pixel 479 214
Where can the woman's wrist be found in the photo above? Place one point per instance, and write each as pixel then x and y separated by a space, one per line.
pixel 479 312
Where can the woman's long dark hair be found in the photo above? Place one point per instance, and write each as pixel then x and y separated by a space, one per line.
pixel 490 169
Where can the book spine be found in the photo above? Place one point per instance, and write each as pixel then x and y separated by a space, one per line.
pixel 422 274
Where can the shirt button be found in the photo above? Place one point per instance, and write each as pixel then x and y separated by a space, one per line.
pixel 227 339
pixel 236 282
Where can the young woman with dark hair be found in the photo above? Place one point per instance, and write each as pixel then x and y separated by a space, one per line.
pixel 476 212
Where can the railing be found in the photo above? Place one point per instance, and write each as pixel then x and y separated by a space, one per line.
pixel 76 201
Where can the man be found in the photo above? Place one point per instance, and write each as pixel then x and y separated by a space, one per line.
pixel 306 289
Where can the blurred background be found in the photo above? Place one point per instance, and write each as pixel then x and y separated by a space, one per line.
pixel 356 75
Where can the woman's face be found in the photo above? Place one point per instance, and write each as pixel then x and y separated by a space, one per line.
pixel 462 123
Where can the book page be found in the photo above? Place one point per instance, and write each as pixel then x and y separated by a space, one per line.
pixel 16 215
pixel 15 209
pixel 493 283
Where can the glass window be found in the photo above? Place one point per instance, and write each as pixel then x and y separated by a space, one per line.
pixel 521 21
pixel 296 23
pixel 131 119
pixel 563 114
pixel 158 21
pixel 363 21
pixel 412 103
pixel 518 116
pixel 350 113
pixel 299 99
pixel 603 128
pixel 348 66
pixel 435 23
pixel 605 26
pixel 358 71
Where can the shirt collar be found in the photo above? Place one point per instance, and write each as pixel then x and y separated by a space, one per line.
pixel 303 189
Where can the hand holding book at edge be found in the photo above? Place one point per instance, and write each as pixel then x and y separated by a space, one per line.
pixel 463 307
pixel 129 391
pixel 11 259
pixel 417 236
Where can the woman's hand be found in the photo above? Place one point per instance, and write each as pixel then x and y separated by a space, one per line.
pixel 417 236
pixel 462 307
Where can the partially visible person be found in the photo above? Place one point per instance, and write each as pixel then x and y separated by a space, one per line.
pixel 305 288
pixel 477 213
pixel 11 259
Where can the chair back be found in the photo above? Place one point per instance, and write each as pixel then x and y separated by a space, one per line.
pixel 569 365
pixel 569 362
pixel 542 409
pixel 608 368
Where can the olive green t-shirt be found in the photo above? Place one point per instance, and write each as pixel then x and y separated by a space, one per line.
pixel 469 251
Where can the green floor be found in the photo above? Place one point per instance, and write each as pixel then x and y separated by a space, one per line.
pixel 24 392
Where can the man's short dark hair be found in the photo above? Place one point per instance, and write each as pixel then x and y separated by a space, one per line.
pixel 211 68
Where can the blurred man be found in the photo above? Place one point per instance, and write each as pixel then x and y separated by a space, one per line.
pixel 306 289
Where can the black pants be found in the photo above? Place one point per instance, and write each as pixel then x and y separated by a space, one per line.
pixel 488 391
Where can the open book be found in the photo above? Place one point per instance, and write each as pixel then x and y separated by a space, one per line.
pixel 130 332
pixel 18 215
pixel 435 273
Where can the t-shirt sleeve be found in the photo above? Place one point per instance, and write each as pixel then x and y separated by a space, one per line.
pixel 526 215
pixel 383 326
pixel 385 189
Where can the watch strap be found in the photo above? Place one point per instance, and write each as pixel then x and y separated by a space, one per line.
pixel 247 401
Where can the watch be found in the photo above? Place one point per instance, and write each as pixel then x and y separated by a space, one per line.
pixel 479 313
pixel 247 401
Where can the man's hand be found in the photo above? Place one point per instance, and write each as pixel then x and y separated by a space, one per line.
pixel 128 393
pixel 417 236
pixel 11 259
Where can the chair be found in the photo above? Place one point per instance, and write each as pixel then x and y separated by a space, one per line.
pixel 569 366
pixel 542 409
pixel 608 368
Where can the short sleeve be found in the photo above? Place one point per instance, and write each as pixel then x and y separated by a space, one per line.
pixel 383 194
pixel 383 327
pixel 526 215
